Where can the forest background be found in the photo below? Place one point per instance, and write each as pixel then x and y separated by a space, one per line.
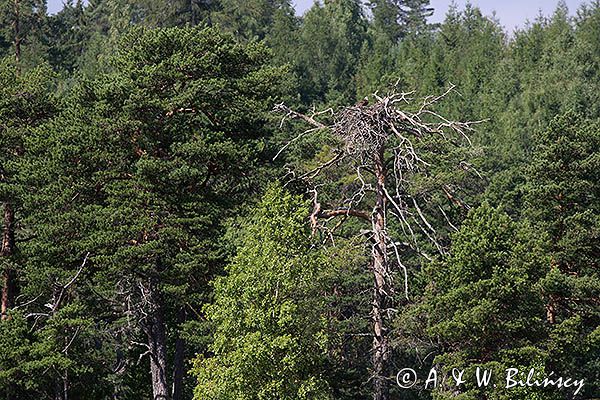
pixel 190 211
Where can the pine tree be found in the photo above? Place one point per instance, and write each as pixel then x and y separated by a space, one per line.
pixel 147 162
pixel 20 20
pixel 563 200
pixel 482 306
pixel 27 100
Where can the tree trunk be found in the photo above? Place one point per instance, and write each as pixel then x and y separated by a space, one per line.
pixel 179 360
pixel 9 285
pixel 383 289
pixel 17 31
pixel 552 298
pixel 61 388
pixel 157 343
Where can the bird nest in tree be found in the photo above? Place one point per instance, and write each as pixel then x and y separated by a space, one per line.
pixel 393 122
pixel 363 128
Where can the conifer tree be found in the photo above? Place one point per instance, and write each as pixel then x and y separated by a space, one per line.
pixel 331 39
pixel 146 164
pixel 21 21
pixel 250 19
pixel 386 19
pixel 26 101
pixel 482 306
pixel 563 200
pixel 399 18
pixel 414 16
pixel 68 32
pixel 22 26
pixel 119 175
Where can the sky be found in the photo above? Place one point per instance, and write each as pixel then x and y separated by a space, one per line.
pixel 512 13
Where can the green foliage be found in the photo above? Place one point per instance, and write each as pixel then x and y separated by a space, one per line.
pixel 482 305
pixel 130 132
pixel 26 100
pixel 562 199
pixel 269 316
pixel 252 19
pixel 146 163
pixel 330 42
pixel 31 19
pixel 68 32
pixel 414 16
pixel 397 19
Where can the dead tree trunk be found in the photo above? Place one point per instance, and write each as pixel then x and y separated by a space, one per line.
pixel 378 143
pixel 61 388
pixel 382 291
pixel 157 343
pixel 9 286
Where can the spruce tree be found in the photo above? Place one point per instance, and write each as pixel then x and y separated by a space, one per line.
pixel 331 39
pixel 22 27
pixel 249 19
pixel 414 15
pixel 386 19
pixel 398 19
pixel 68 33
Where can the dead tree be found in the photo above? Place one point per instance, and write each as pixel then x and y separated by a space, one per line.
pixel 378 143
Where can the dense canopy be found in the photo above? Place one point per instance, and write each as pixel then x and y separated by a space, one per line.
pixel 220 200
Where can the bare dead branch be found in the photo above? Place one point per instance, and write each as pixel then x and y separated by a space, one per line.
pixel 386 145
pixel 310 119
pixel 63 288
pixel 66 348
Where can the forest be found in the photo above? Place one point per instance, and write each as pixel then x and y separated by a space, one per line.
pixel 223 200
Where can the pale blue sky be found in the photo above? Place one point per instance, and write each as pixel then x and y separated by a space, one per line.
pixel 512 13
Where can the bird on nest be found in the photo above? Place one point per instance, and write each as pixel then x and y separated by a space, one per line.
pixel 363 103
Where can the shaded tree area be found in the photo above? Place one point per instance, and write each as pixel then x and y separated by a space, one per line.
pixel 220 199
